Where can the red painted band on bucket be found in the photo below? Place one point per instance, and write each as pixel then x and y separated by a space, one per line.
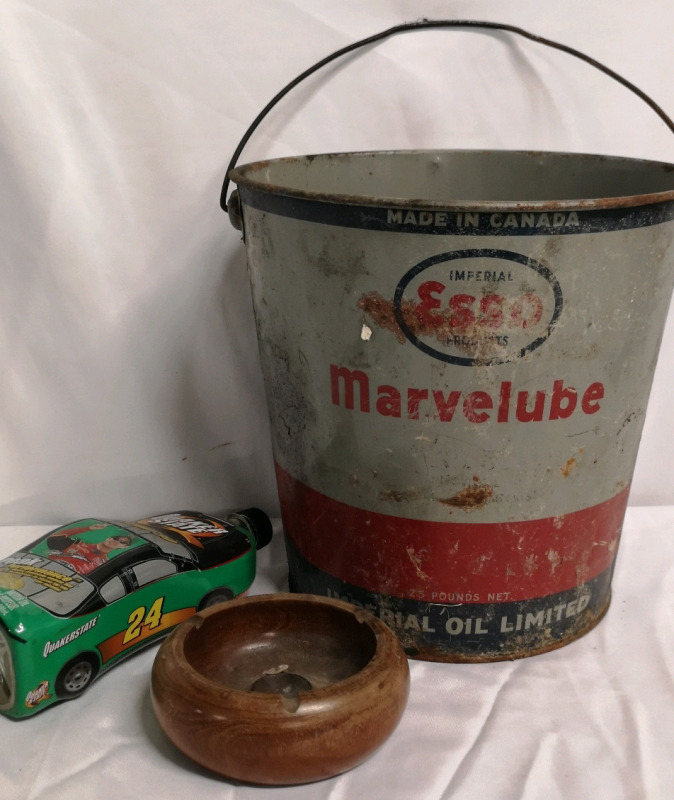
pixel 442 561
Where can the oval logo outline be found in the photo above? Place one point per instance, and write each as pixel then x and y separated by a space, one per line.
pixel 454 255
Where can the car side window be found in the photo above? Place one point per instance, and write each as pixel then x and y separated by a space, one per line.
pixel 112 589
pixel 153 570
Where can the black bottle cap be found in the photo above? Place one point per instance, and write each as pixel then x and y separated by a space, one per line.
pixel 257 522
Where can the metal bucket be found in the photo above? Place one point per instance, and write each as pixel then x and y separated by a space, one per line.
pixel 458 348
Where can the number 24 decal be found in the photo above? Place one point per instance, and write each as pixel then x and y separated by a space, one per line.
pixel 142 618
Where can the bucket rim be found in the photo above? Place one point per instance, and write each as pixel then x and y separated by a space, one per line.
pixel 247 176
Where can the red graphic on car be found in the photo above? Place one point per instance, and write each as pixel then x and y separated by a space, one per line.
pixel 84 557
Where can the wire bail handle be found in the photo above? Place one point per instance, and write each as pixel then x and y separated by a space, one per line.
pixel 413 26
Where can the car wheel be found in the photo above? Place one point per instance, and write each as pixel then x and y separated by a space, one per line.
pixel 221 595
pixel 76 675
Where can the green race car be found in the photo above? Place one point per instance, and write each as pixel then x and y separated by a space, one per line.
pixel 78 600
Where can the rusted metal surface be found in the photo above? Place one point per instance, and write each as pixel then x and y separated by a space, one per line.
pixel 470 497
pixel 457 386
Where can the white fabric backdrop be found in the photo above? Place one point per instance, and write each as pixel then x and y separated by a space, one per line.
pixel 593 720
pixel 130 382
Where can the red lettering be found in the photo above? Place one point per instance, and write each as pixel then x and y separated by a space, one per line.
pixel 427 293
pixel 349 378
pixel 563 401
pixel 476 405
pixel 496 312
pixel 388 402
pixel 491 306
pixel 414 397
pixel 446 408
pixel 504 401
pixel 590 401
pixel 526 310
pixel 463 316
pixel 522 412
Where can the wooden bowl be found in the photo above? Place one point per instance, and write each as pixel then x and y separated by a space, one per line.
pixel 280 689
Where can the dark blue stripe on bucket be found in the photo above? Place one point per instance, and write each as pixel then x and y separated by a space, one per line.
pixel 467 631
pixel 452 221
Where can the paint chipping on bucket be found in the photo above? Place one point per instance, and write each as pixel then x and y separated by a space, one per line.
pixel 382 315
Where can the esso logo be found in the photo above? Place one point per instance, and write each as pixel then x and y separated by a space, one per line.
pixel 478 307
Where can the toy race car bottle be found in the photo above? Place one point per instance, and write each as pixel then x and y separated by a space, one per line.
pixel 81 598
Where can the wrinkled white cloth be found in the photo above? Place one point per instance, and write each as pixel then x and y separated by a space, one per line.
pixel 592 719
pixel 130 380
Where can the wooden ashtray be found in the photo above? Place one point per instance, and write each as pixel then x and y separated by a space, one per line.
pixel 280 689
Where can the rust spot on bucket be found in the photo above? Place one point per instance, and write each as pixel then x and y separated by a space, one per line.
pixel 381 312
pixel 568 467
pixel 470 497
pixel 473 341
pixel 397 496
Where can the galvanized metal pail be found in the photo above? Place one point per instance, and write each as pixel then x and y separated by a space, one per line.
pixel 458 348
